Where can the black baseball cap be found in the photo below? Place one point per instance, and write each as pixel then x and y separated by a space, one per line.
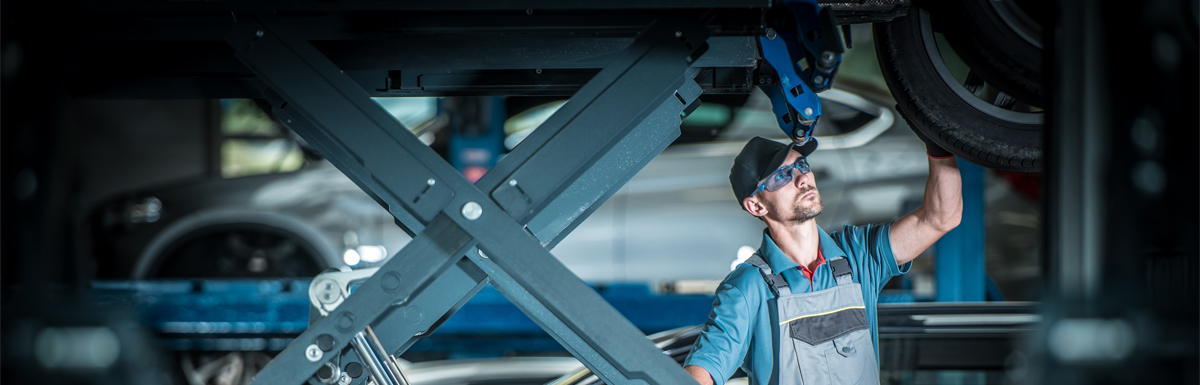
pixel 759 158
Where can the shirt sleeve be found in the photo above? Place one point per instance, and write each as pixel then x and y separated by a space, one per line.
pixel 871 247
pixel 721 347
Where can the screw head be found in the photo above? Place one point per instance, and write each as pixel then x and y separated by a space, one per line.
pixel 259 33
pixel 819 79
pixel 538 71
pixel 512 182
pixel 827 56
pixel 808 111
pixel 472 211
pixel 327 291
pixel 678 33
pixel 431 182
pixel 313 353
pixel 771 34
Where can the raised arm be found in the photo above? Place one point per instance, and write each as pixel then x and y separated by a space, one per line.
pixel 940 212
pixel 699 374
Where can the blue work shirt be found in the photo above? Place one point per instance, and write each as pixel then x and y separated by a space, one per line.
pixel 739 332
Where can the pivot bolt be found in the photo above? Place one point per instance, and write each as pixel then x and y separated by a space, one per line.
pixel 808 111
pixel 472 211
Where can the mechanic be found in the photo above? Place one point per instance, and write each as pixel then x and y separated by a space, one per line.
pixel 802 309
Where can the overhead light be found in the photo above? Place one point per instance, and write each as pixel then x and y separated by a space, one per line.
pixel 351 257
pixel 743 253
pixel 372 253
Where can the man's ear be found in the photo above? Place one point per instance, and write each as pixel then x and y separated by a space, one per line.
pixel 754 207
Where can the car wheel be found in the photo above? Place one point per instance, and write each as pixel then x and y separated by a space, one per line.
pixel 969 118
pixel 1000 42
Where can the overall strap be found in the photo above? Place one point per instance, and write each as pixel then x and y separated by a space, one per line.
pixel 774 281
pixel 841 270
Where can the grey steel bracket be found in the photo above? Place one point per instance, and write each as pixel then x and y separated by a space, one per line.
pixel 610 128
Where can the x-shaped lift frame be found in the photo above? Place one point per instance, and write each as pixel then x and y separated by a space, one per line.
pixel 500 229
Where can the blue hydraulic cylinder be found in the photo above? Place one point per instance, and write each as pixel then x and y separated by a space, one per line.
pixel 959 265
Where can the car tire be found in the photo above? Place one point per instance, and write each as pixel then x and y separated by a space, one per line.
pixel 931 101
pixel 999 42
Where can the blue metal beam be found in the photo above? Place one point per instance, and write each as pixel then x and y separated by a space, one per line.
pixel 960 269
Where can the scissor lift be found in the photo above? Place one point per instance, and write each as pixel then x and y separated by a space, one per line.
pixel 634 70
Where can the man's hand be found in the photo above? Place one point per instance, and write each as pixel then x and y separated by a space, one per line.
pixel 699 374
pixel 940 212
pixel 935 151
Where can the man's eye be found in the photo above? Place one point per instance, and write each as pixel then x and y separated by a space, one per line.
pixel 780 176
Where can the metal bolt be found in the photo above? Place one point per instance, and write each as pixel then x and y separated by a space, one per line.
pixel 771 34
pixel 678 33
pixel 819 79
pixel 528 11
pixel 313 353
pixel 828 57
pixel 344 379
pixel 329 373
pixel 431 182
pixel 471 211
pixel 808 111
pixel 538 71
pixel 512 182
pixel 259 33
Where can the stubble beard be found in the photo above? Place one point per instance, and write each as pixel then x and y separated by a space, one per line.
pixel 801 214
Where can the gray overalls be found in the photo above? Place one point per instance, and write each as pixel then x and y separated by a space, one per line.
pixel 824 337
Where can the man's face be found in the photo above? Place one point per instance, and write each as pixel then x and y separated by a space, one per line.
pixel 797 202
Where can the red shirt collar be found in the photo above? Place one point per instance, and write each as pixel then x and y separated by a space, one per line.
pixel 808 273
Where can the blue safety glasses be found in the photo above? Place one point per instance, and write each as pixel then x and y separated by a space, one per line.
pixel 783 175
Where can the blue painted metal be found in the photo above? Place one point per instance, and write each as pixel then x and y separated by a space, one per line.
pixel 266 315
pixel 960 269
pixel 213 307
pixel 792 97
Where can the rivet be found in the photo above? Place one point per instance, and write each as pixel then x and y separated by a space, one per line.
pixel 808 111
pixel 431 182
pixel 472 211
pixel 771 34
pixel 313 353
pixel 259 33
pixel 678 33
pixel 512 182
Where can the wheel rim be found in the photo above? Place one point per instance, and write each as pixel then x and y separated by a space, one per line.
pixel 967 96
